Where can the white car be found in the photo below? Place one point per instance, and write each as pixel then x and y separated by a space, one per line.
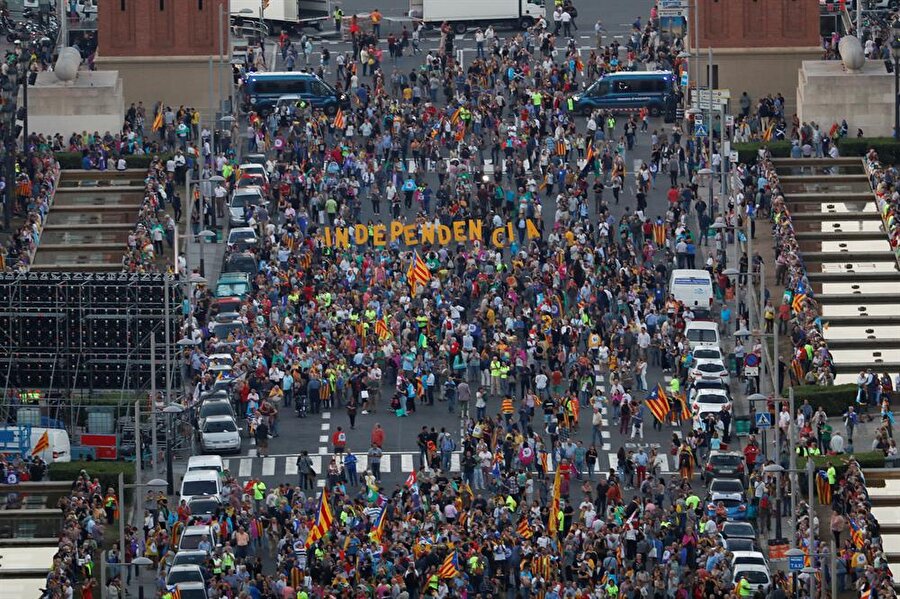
pixel 709 400
pixel 706 353
pixel 757 576
pixel 752 558
pixel 184 573
pixel 711 370
pixel 242 238
pixel 220 434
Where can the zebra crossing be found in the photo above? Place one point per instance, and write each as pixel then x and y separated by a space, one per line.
pixel 283 468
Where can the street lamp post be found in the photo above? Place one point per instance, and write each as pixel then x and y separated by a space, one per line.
pixel 171 410
pixel 138 561
pixel 777 469
pixel 895 53
pixel 204 236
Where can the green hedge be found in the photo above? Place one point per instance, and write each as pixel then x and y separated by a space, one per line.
pixel 866 459
pixel 72 160
pixel 747 152
pixel 106 472
pixel 834 399
pixel 888 148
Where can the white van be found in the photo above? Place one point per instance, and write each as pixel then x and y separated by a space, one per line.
pixel 702 333
pixel 693 288
pixel 206 462
pixel 60 449
pixel 201 482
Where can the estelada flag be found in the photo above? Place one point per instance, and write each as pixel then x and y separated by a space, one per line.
pixel 339 121
pixel 797 302
pixel 323 521
pixel 43 444
pixel 455 116
pixel 450 567
pixel 823 489
pixel 418 273
pixel 658 404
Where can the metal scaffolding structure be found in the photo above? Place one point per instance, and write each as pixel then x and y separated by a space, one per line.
pixel 67 337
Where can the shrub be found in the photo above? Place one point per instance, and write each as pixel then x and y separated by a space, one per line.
pixel 834 399
pixel 72 160
pixel 866 459
pixel 106 472
pixel 888 148
pixel 747 152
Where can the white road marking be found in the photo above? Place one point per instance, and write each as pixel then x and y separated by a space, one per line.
pixel 406 462
pixel 290 465
pixel 246 468
pixel 268 467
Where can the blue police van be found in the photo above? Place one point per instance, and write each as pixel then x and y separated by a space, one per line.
pixel 262 90
pixel 631 90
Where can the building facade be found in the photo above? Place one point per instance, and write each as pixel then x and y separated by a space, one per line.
pixel 162 50
pixel 757 45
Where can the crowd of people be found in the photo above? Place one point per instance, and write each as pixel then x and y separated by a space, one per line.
pixel 512 335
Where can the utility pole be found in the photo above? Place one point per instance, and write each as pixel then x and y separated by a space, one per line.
pixel 810 472
pixel 153 440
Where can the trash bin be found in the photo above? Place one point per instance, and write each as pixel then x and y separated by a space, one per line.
pixel 741 426
pixel 732 364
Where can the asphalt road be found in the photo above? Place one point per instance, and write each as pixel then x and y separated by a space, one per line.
pixel 401 455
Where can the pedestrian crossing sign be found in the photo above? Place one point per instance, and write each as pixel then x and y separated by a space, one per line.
pixel 700 130
pixel 763 420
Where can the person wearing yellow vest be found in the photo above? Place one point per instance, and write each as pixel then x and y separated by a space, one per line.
pixel 831 473
pixel 495 376
pixel 216 565
pixel 744 589
pixel 111 505
pixel 259 493
pixel 511 503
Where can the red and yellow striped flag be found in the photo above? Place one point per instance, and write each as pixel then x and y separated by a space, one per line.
pixel 323 521
pixel 339 121
pixel 42 444
pixel 418 273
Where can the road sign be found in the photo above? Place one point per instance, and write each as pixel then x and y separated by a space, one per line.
pixel 673 3
pixel 700 98
pixel 763 420
pixel 680 11
pixel 796 562
pixel 700 130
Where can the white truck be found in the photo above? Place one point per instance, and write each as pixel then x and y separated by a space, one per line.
pixel 277 15
pixel 464 14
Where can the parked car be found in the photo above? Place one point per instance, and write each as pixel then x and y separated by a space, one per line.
pixel 728 493
pixel 241 262
pixel 240 200
pixel 738 530
pixel 754 558
pixel 724 464
pixel 192 557
pixel 204 508
pixel 214 407
pixel 757 576
pixel 220 434
pixel 192 590
pixel 184 573
pixel 704 401
pixel 711 369
pixel 191 537
pixel 739 544
pixel 242 238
